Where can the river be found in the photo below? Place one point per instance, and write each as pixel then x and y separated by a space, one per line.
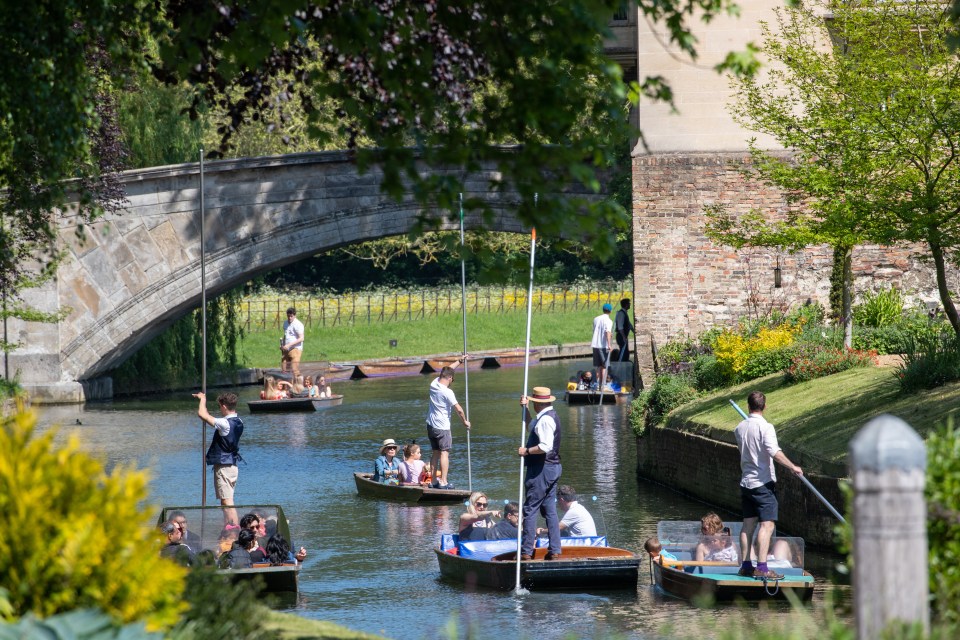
pixel 371 566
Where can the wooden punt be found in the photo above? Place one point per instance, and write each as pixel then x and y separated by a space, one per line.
pixel 205 528
pixel 294 404
pixel 720 582
pixel 514 358
pixel 593 397
pixel 474 363
pixel 409 493
pixel 332 372
pixel 388 368
pixel 578 569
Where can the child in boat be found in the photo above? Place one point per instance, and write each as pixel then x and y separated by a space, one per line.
pixel 270 389
pixel 411 469
pixel 716 543
pixel 655 550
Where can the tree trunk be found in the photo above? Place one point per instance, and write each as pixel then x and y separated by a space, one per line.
pixel 847 255
pixel 937 252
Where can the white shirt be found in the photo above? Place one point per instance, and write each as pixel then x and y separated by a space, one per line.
pixel 442 402
pixel 579 521
pixel 757 441
pixel 293 331
pixel 222 425
pixel 602 326
pixel 545 427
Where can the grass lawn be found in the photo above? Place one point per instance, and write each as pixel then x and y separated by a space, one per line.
pixel 816 420
pixel 424 337
pixel 286 626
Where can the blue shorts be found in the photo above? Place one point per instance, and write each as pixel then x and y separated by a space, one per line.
pixel 760 502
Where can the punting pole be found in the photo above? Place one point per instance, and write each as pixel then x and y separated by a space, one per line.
pixel 830 508
pixel 526 373
pixel 203 336
pixel 466 368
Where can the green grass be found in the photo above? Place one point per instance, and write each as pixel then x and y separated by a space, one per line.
pixel 816 420
pixel 428 336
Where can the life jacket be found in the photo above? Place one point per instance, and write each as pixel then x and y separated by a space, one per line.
pixel 552 456
pixel 226 449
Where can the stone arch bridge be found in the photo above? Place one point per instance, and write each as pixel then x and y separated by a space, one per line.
pixel 134 274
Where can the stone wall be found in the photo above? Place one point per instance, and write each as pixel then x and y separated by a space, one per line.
pixel 709 470
pixel 684 283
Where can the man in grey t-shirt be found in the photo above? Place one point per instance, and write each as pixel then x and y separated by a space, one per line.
pixel 443 402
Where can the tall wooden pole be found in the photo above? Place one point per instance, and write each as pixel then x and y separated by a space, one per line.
pixel 203 337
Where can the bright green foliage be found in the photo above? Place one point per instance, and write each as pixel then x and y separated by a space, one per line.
pixel 669 391
pixel 929 361
pixel 220 609
pixel 943 526
pixel 879 308
pixel 815 361
pixel 76 534
pixel 82 624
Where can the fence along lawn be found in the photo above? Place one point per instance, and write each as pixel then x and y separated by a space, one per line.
pixel 559 317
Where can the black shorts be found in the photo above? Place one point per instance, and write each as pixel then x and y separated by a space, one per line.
pixel 760 502
pixel 600 357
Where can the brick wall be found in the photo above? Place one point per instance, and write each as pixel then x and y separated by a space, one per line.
pixel 685 283
pixel 709 470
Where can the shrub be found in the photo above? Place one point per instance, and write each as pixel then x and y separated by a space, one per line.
pixel 929 361
pixel 883 340
pixel 708 374
pixel 674 353
pixel 736 350
pixel 220 609
pixel 879 309
pixel 75 536
pixel 669 391
pixel 943 528
pixel 766 361
pixel 811 314
pixel 814 361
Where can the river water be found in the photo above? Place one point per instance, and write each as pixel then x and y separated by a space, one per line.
pixel 371 565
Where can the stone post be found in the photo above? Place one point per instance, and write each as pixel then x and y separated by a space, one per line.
pixel 888 463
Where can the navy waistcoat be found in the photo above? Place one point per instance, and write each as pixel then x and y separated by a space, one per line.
pixel 226 449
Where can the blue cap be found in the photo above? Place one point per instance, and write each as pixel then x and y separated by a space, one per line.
pixel 607 307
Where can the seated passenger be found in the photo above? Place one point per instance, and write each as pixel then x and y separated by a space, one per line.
pixel 239 556
pixel 189 538
pixel 227 537
pixel 477 519
pixel 576 520
pixel 716 543
pixel 278 551
pixel 254 523
pixel 174 547
pixel 506 529
pixel 587 381
pixel 655 550
pixel 411 469
pixel 386 468
pixel 292 389
pixel 323 389
pixel 309 389
pixel 270 389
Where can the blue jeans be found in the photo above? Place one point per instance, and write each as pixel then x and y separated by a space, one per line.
pixel 541 497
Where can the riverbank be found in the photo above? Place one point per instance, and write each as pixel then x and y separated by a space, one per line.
pixel 694 451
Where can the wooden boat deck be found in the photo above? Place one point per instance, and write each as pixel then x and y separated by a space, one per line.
pixel 409 493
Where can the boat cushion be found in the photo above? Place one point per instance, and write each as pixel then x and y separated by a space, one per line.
pixel 576 541
pixel 485 549
pixel 448 541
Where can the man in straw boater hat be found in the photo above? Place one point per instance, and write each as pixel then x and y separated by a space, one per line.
pixel 542 460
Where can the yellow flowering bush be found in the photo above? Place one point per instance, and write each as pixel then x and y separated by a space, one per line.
pixel 742 357
pixel 75 536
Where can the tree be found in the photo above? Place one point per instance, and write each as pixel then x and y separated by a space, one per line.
pixel 866 100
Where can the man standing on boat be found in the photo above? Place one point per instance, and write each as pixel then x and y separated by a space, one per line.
pixel 602 339
pixel 224 451
pixel 757 441
pixel 443 402
pixel 291 345
pixel 623 328
pixel 542 461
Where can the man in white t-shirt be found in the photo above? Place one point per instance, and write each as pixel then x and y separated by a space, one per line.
pixel 602 339
pixel 757 441
pixel 291 345
pixel 443 402
pixel 576 520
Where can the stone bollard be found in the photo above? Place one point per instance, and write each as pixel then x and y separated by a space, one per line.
pixel 888 463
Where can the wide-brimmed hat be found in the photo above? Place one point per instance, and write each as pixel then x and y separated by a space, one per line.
pixel 389 442
pixel 542 394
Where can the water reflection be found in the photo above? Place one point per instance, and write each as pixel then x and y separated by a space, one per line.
pixel 371 565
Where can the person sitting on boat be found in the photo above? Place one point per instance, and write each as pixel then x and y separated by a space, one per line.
pixel 189 538
pixel 270 389
pixel 576 520
pixel 279 553
pixel 253 522
pixel 175 548
pixel 292 389
pixel 475 521
pixel 411 469
pixel 655 550
pixel 310 390
pixel 506 529
pixel 716 543
pixel 386 468
pixel 323 388
pixel 586 381
pixel 239 555
pixel 227 537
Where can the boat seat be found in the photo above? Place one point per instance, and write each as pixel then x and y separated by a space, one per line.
pixel 485 549
pixel 576 541
pixel 448 541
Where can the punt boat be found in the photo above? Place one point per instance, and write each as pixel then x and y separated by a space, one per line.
pixel 592 396
pixel 687 578
pixel 206 533
pixel 294 404
pixel 512 358
pixel 474 363
pixel 388 368
pixel 584 564
pixel 409 493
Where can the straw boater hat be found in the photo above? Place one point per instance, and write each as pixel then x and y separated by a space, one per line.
pixel 542 395
pixel 389 442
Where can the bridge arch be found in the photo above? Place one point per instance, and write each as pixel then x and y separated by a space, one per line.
pixel 132 275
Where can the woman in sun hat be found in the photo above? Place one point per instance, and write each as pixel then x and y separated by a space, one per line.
pixel 386 469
